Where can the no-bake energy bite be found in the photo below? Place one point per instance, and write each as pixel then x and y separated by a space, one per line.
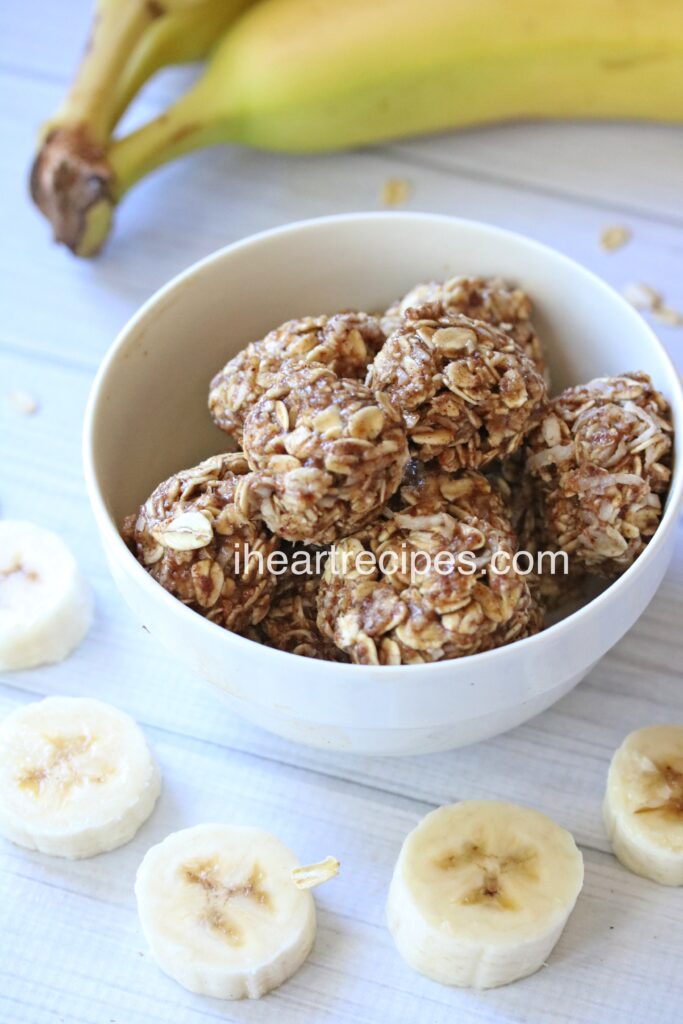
pixel 480 298
pixel 291 622
pixel 467 392
pixel 602 460
pixel 444 500
pixel 518 491
pixel 346 342
pixel 193 536
pixel 463 493
pixel 387 596
pixel 328 455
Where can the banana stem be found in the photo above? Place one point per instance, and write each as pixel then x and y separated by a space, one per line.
pixel 117 28
pixel 70 180
pixel 172 134
pixel 185 35
pixel 143 63
pixel 74 182
pixel 77 185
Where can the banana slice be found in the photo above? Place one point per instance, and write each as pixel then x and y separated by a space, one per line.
pixel 481 892
pixel 45 604
pixel 76 777
pixel 643 805
pixel 221 912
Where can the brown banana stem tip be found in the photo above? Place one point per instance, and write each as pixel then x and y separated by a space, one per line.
pixel 71 183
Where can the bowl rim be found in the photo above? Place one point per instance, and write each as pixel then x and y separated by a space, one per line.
pixel 336 670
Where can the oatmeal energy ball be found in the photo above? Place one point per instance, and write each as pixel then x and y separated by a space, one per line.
pixel 327 454
pixel 290 624
pixel 602 457
pixel 384 603
pixel 479 298
pixel 463 493
pixel 346 342
pixel 193 537
pixel 505 497
pixel 552 582
pixel 467 392
pixel 517 490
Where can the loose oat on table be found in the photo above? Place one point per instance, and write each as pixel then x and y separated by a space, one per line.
pixel 614 237
pixel 379 611
pixel 346 342
pixel 192 536
pixel 395 191
pixel 290 624
pixel 327 454
pixel 23 402
pixel 667 315
pixel 467 392
pixel 642 295
pixel 480 298
pixel 308 876
pixel 602 456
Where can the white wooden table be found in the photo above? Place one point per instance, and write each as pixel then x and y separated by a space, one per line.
pixel 70 946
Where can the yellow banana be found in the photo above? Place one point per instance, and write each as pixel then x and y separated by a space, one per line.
pixel 117 27
pixel 306 75
pixel 186 35
pixel 129 41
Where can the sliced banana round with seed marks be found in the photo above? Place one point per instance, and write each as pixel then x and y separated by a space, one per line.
pixel 76 777
pixel 481 892
pixel 643 805
pixel 221 913
pixel 46 605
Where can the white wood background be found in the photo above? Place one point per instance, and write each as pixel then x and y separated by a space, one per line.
pixel 70 947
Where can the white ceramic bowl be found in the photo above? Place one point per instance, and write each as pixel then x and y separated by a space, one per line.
pixel 147 418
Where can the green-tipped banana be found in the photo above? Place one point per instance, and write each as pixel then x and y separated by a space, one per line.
pixel 306 75
pixel 130 40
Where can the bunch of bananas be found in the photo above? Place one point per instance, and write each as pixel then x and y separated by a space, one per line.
pixel 306 75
